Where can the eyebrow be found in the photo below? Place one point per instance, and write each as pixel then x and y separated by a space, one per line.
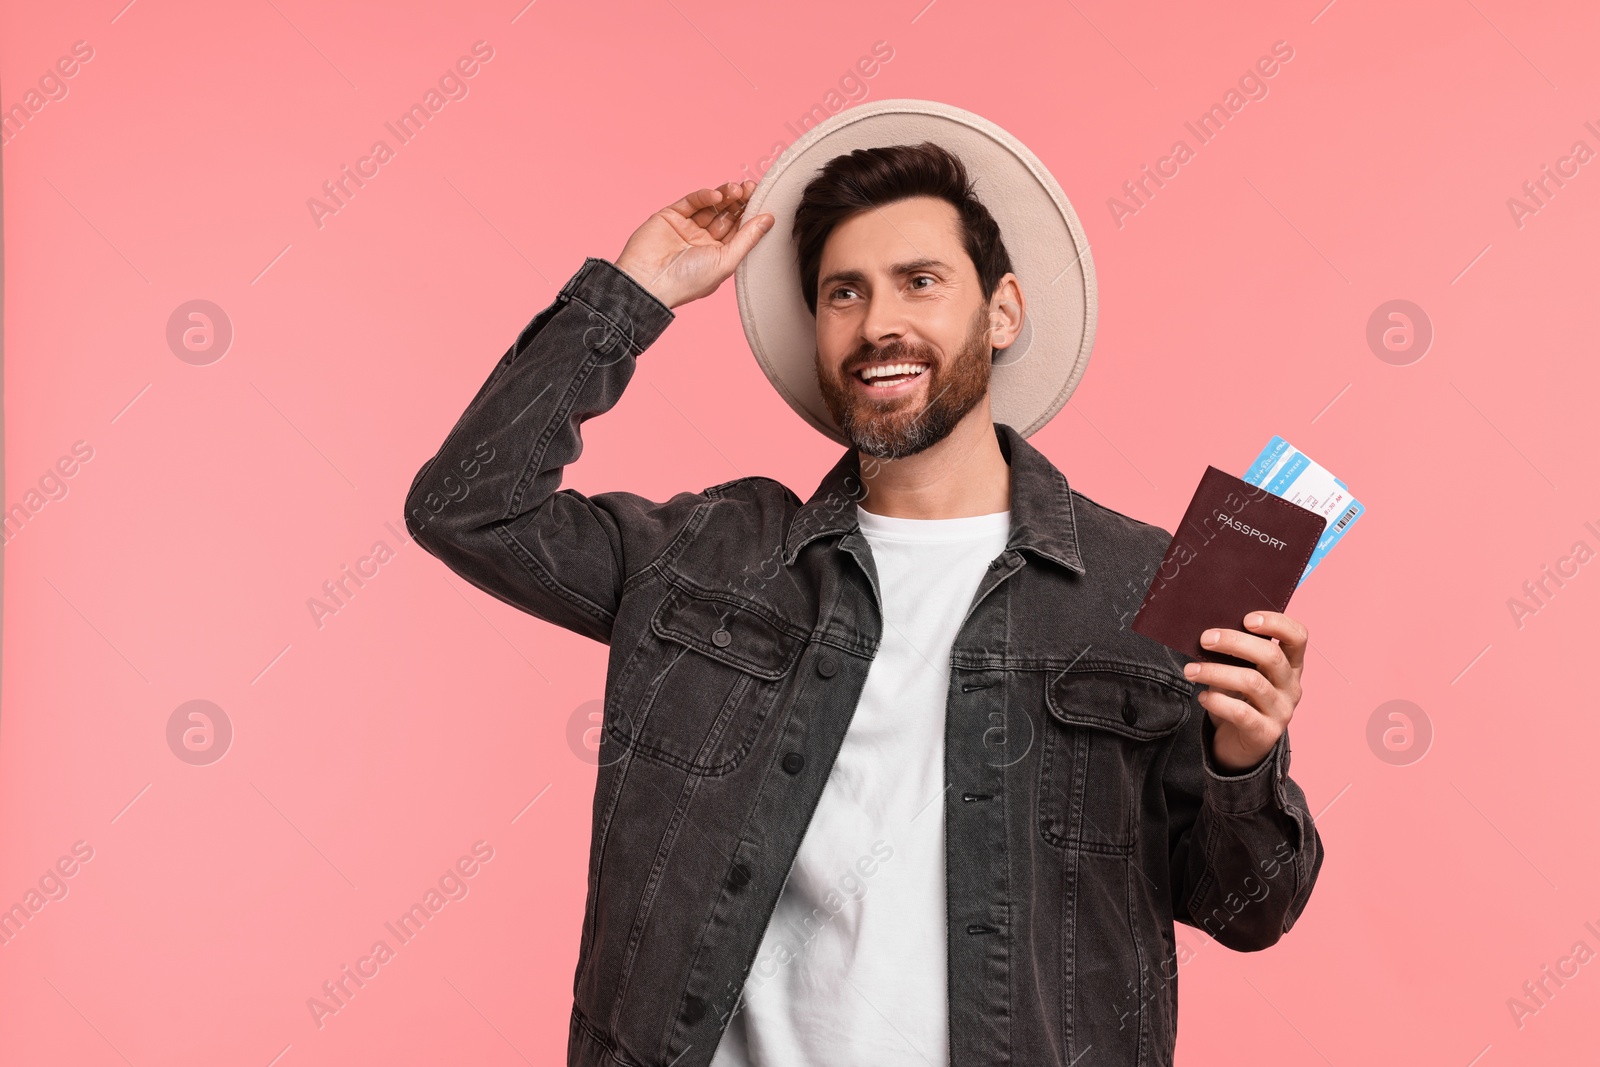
pixel 857 277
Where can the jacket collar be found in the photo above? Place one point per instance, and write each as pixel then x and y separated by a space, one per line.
pixel 1042 519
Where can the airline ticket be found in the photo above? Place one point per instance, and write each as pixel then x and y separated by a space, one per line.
pixel 1285 471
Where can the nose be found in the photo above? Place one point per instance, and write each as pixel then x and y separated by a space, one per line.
pixel 885 319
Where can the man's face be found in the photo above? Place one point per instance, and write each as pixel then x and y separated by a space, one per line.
pixel 898 292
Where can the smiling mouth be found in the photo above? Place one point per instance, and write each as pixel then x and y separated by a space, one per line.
pixel 884 375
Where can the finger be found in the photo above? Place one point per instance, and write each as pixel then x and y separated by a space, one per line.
pixel 747 235
pixel 696 202
pixel 737 195
pixel 1246 683
pixel 1291 633
pixel 1271 659
pixel 716 225
pixel 731 193
pixel 722 218
pixel 706 216
pixel 1230 709
pixel 729 224
pixel 1256 734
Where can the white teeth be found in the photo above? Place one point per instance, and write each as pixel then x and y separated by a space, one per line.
pixel 882 369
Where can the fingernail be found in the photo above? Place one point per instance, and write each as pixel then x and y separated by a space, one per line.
pixel 1209 637
pixel 1191 669
pixel 1255 620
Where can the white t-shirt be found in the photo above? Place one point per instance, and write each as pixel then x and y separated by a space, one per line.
pixel 852 969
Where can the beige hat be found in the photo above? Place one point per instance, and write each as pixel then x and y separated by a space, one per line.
pixel 1030 380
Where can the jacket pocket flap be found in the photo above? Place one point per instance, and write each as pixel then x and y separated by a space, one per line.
pixel 728 631
pixel 1133 705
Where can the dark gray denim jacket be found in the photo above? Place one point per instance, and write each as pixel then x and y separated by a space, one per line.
pixel 1083 812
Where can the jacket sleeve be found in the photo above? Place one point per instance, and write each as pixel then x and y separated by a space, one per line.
pixel 1244 851
pixel 487 502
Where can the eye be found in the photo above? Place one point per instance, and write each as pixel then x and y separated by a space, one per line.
pixel 842 289
pixel 920 277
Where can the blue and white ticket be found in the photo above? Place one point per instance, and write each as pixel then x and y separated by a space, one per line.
pixel 1285 471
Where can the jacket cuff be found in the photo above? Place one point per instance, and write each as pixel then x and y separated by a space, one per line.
pixel 622 308
pixel 1245 791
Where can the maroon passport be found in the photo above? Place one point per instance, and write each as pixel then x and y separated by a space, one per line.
pixel 1238 548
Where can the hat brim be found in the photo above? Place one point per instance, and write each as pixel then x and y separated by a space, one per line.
pixel 1031 379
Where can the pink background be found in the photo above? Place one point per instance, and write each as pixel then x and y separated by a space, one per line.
pixel 370 753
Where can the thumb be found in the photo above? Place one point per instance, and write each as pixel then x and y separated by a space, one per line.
pixel 748 234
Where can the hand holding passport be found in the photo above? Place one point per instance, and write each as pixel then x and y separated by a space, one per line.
pixel 1242 547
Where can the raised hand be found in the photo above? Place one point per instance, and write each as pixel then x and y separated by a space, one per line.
pixel 686 250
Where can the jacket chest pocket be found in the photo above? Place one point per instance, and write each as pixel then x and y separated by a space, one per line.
pixel 1102 732
pixel 708 677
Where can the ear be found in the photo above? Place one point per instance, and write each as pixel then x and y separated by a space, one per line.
pixel 1006 310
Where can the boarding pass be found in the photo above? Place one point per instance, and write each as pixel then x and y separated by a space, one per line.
pixel 1285 471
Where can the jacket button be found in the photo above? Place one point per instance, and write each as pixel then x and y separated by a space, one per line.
pixel 739 877
pixel 827 666
pixel 694 1009
pixel 793 762
pixel 1130 714
pixel 721 638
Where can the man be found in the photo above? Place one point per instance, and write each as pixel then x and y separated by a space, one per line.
pixel 886 778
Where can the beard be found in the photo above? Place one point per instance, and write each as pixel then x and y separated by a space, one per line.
pixel 903 426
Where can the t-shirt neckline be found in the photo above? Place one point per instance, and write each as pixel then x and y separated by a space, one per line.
pixel 961 528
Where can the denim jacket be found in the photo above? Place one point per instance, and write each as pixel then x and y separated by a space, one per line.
pixel 1084 814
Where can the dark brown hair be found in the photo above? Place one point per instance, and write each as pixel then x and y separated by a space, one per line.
pixel 870 177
